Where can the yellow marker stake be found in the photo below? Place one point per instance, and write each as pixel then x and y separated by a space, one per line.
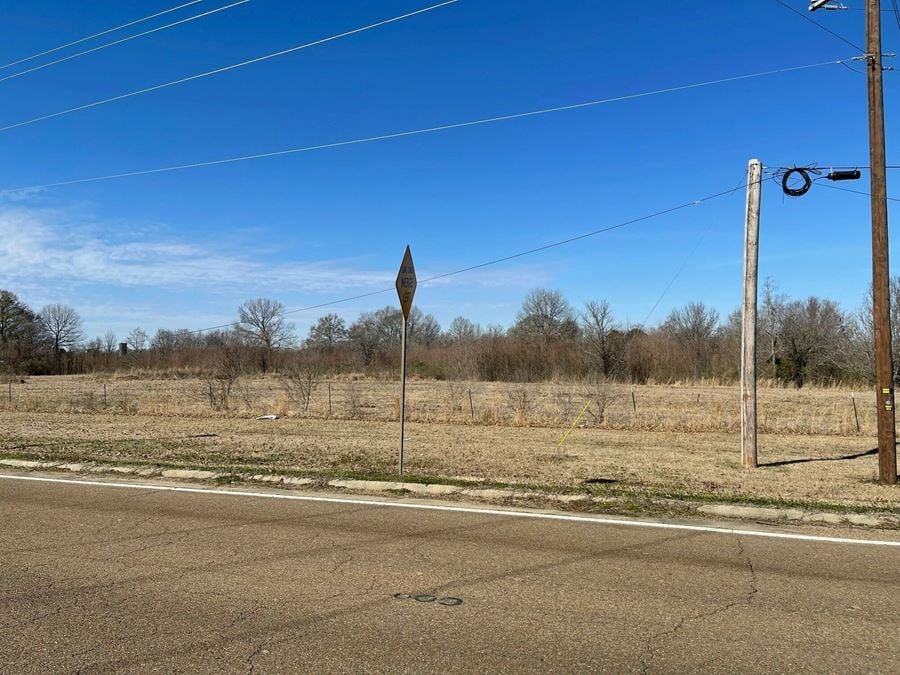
pixel 571 428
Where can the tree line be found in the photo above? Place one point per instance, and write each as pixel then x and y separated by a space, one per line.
pixel 800 341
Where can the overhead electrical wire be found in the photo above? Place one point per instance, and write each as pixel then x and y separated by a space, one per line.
pixel 822 26
pixel 675 277
pixel 857 192
pixel 863 9
pixel 782 177
pixel 538 249
pixel 854 70
pixel 233 66
pixel 741 184
pixel 417 132
pixel 96 35
pixel 770 169
pixel 122 40
pixel 497 261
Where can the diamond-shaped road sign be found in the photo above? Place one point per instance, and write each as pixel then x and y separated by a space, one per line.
pixel 406 283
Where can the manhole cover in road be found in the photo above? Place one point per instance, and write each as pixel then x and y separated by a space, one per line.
pixel 450 602
pixel 427 598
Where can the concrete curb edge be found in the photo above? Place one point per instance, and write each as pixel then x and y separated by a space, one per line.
pixel 743 512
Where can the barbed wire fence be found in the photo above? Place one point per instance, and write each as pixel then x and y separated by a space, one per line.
pixel 686 407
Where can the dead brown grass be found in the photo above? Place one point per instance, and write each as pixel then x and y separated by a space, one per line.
pixel 795 468
pixel 662 408
pixel 681 441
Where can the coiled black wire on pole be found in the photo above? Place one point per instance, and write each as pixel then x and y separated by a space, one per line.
pixel 787 174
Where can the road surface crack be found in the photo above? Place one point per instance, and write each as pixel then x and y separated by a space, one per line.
pixel 745 599
pixel 36 619
pixel 340 564
pixel 256 652
pixel 754 579
pixel 241 618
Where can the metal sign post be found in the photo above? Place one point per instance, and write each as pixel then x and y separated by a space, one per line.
pixel 406 289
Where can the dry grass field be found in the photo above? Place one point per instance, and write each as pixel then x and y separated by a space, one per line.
pixel 678 441
pixel 672 408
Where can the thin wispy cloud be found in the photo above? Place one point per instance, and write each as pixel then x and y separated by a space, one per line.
pixel 16 196
pixel 37 245
pixel 45 247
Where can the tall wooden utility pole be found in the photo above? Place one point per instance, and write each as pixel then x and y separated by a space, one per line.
pixel 748 324
pixel 884 369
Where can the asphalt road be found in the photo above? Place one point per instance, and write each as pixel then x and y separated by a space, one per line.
pixel 106 579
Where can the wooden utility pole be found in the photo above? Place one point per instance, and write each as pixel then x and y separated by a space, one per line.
pixel 884 369
pixel 748 324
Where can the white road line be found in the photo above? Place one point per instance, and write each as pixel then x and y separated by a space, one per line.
pixel 466 509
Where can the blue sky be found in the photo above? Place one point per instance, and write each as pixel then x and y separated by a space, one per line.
pixel 184 249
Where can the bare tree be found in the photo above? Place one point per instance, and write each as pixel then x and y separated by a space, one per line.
pixel 598 327
pixel 63 325
pixel 223 372
pixel 165 341
pixel 693 327
pixel 21 334
pixel 301 379
pixel 262 323
pixel 462 336
pixel 14 315
pixel 545 316
pixel 138 339
pixel 110 342
pixel 862 358
pixel 770 320
pixel 424 329
pixel 364 336
pixel 388 326
pixel 328 332
pixel 463 330
pixel 811 334
pixel 639 359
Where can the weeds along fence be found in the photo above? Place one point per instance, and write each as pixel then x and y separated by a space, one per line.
pixel 610 406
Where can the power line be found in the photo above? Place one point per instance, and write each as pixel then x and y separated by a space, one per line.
pixel 675 277
pixel 503 259
pixel 224 69
pixel 125 39
pixel 772 169
pixel 741 184
pixel 581 236
pixel 863 9
pixel 852 69
pixel 96 35
pixel 418 132
pixel 856 192
pixel 822 26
